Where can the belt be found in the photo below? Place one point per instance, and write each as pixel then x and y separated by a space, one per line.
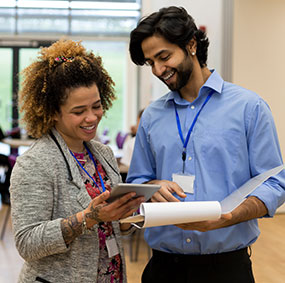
pixel 224 258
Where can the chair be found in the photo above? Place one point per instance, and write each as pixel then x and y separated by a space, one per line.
pixel 120 139
pixel 2 135
pixel 104 138
pixel 136 236
pixel 5 174
pixel 5 222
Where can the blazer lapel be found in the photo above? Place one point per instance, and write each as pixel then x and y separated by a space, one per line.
pixel 82 195
pixel 107 164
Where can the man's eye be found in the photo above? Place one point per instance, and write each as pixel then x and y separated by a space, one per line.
pixel 164 58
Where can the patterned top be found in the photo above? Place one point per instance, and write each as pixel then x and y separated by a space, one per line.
pixel 109 269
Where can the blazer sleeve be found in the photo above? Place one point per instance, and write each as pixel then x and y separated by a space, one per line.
pixel 32 189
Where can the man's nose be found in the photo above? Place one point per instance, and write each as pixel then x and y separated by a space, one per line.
pixel 158 69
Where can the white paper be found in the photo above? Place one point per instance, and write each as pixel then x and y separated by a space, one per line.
pixel 237 197
pixel 169 213
pixel 179 212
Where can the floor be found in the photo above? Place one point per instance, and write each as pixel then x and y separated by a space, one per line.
pixel 268 253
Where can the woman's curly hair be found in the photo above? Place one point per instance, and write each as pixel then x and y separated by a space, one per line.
pixel 63 66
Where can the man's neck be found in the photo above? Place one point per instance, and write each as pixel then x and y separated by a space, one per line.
pixel 198 77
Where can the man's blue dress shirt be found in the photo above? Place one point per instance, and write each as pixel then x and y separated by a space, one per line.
pixel 233 140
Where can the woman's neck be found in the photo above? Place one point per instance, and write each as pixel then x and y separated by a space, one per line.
pixel 77 148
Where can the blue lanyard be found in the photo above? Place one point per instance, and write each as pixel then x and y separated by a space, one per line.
pixel 185 142
pixel 91 156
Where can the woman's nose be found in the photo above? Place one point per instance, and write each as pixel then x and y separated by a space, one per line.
pixel 91 116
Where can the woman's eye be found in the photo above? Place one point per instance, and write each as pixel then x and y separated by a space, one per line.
pixel 97 107
pixel 78 113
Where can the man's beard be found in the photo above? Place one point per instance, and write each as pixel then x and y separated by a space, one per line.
pixel 183 72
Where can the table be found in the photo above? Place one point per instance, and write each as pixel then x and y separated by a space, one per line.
pixel 16 143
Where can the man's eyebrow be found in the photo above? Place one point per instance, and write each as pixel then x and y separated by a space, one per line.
pixel 157 54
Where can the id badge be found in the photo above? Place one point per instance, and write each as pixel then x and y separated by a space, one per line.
pixel 186 182
pixel 112 246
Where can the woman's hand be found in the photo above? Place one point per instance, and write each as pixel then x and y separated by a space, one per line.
pixel 101 211
pixel 165 193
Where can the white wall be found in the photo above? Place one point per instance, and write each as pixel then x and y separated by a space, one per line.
pixel 258 54
pixel 206 13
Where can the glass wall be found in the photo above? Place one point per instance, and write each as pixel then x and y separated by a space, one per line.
pixel 104 27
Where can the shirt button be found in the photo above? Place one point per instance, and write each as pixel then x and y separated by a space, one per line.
pixel 189 158
pixel 192 107
pixel 188 240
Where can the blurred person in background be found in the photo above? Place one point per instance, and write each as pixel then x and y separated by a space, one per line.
pixel 129 144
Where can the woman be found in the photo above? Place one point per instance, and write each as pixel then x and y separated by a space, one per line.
pixel 63 227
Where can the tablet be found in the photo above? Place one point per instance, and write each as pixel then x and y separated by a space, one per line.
pixel 146 190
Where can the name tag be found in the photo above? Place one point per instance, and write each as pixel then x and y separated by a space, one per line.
pixel 186 182
pixel 112 246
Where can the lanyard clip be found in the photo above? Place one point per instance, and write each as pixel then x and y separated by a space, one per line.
pixel 184 154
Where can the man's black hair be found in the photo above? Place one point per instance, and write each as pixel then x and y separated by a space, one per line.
pixel 176 26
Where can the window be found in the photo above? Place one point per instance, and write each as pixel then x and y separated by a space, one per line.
pixel 104 27
pixel 69 17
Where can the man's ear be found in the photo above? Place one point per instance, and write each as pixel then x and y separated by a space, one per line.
pixel 192 46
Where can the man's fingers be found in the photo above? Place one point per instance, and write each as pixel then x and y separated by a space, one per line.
pixel 175 188
pixel 165 194
pixel 158 197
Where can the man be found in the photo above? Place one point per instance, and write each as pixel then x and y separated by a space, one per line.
pixel 201 141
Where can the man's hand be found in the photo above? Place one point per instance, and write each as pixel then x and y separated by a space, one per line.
pixel 204 226
pixel 251 208
pixel 165 193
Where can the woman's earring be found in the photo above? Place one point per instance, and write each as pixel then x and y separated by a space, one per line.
pixel 193 53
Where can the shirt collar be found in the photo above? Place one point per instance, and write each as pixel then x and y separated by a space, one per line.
pixel 214 82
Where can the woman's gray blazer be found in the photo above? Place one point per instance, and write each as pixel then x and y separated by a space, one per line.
pixel 44 189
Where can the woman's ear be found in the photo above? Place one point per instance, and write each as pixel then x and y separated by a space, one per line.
pixel 55 117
